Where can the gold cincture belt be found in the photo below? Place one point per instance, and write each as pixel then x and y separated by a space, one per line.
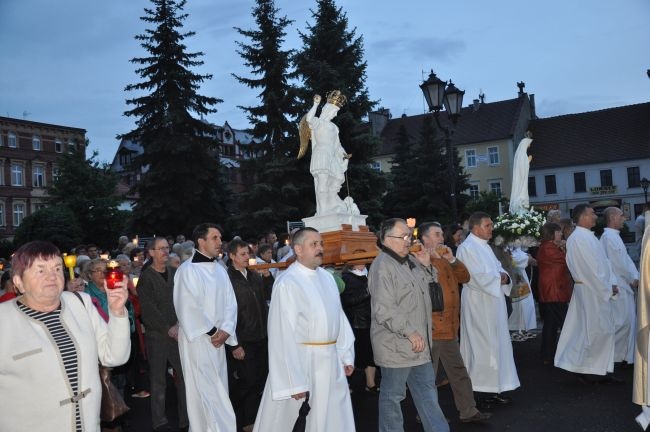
pixel 320 343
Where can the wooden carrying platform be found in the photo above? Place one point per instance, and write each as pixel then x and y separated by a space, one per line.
pixel 341 247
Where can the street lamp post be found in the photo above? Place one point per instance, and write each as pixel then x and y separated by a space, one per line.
pixel 644 184
pixel 437 93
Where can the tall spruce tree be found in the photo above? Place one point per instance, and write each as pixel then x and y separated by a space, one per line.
pixel 332 58
pixel 181 184
pixel 421 176
pixel 273 120
pixel 279 188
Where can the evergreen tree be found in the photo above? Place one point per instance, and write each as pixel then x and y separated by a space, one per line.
pixel 332 58
pixel 403 186
pixel 272 120
pixel 279 188
pixel 88 189
pixel 56 224
pixel 181 183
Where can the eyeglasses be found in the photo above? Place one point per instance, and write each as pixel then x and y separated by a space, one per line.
pixel 164 248
pixel 405 237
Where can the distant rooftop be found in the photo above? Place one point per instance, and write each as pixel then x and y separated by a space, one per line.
pixel 614 134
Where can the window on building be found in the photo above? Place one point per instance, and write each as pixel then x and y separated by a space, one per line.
pixel 71 146
pixel 495 187
pixel 470 158
pixel 2 172
pixel 606 177
pixel 56 173
pixel 125 159
pixel 17 175
pixel 12 141
pixel 2 214
pixel 579 182
pixel 38 206
pixel 473 191
pixel 549 182
pixel 376 166
pixel 38 176
pixel 58 146
pixel 532 187
pixel 633 177
pixel 18 213
pixel 493 155
pixel 36 142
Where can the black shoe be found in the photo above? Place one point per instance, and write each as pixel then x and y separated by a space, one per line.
pixel 479 417
pixel 498 399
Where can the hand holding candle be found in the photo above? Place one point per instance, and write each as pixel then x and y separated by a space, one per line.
pixel 113 274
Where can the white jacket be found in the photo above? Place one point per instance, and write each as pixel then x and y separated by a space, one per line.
pixel 33 383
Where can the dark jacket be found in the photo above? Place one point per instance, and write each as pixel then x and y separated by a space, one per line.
pixel 156 297
pixel 355 299
pixel 252 311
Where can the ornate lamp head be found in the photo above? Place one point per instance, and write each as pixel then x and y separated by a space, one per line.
pixel 335 97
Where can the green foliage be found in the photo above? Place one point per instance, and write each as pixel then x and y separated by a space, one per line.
pixel 272 119
pixel 181 183
pixel 87 188
pixel 421 177
pixel 284 192
pixel 332 58
pixel 487 202
pixel 57 224
pixel 6 248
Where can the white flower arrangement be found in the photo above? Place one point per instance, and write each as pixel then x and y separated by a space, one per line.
pixel 518 230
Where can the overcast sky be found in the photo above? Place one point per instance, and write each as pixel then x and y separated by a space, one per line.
pixel 67 62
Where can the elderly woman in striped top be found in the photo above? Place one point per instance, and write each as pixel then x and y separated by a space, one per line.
pixel 50 346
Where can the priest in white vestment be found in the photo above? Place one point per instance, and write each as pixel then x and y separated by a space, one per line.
pixel 641 385
pixel 484 338
pixel 311 346
pixel 206 307
pixel 586 344
pixel 627 280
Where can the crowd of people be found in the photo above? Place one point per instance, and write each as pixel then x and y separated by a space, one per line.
pixel 274 347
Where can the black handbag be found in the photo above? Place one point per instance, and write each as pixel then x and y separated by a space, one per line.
pixel 437 299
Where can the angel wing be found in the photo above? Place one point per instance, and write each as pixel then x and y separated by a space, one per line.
pixel 305 135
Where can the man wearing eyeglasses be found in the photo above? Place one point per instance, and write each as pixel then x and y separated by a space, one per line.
pixel 155 292
pixel 401 329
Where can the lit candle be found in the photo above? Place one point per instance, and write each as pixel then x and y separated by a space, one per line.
pixel 410 222
pixel 70 261
pixel 135 281
pixel 104 256
pixel 113 274
pixel 135 240
pixel 252 261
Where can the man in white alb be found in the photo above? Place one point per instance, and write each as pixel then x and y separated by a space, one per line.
pixel 311 346
pixel 627 280
pixel 484 337
pixel 207 313
pixel 586 344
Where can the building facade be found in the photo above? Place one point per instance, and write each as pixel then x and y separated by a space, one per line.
pixel 486 137
pixel 233 146
pixel 28 164
pixel 596 157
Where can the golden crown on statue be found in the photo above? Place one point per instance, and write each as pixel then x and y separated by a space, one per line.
pixel 335 97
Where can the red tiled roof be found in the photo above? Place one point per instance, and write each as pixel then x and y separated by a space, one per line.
pixel 614 134
pixel 491 121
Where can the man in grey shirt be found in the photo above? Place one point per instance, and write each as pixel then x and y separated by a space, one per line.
pixel 401 329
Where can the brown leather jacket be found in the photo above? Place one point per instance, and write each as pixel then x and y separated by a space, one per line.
pixel 447 322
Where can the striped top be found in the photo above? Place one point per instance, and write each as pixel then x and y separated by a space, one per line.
pixel 65 346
